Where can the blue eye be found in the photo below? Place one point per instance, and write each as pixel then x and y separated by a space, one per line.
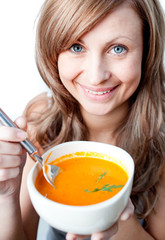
pixel 76 48
pixel 118 49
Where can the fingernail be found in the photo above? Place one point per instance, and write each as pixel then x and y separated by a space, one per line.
pixel 72 238
pixel 124 216
pixel 21 135
pixel 95 238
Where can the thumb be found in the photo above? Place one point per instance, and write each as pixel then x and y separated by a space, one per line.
pixel 21 122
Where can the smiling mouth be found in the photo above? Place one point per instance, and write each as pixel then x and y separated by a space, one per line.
pixel 97 93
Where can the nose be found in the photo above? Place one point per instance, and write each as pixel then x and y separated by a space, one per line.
pixel 97 70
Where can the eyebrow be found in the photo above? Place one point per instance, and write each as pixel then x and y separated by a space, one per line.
pixel 118 38
pixel 114 39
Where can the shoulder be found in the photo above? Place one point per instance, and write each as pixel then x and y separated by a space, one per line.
pixel 34 113
pixel 37 106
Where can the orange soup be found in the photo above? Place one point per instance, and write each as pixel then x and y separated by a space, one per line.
pixel 83 180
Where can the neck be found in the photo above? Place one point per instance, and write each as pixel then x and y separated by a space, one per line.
pixel 104 128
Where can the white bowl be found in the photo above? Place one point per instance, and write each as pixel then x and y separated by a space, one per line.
pixel 83 219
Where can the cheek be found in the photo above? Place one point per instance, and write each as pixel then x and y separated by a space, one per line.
pixel 130 73
pixel 67 68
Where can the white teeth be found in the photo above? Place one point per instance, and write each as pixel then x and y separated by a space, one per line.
pixel 97 93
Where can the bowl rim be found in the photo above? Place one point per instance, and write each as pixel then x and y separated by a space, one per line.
pixel 103 204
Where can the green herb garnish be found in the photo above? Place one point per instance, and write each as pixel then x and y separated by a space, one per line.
pixel 101 176
pixel 106 187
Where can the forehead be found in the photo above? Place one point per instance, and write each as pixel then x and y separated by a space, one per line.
pixel 123 20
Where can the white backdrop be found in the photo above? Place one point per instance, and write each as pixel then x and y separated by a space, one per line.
pixel 19 78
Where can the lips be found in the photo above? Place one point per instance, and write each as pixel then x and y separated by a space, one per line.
pixel 98 94
pixel 98 91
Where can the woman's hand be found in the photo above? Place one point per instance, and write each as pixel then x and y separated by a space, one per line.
pixel 12 157
pixel 107 234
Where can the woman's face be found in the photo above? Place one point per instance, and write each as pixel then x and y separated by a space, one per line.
pixel 103 68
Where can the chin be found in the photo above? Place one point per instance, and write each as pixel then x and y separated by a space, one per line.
pixel 97 112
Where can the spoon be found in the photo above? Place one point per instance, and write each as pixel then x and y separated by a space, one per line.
pixel 49 171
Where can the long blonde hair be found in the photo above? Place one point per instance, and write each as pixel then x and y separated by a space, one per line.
pixel 142 134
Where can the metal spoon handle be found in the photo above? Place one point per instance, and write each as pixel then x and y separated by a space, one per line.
pixel 5 120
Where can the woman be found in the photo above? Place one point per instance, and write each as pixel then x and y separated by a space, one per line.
pixel 103 62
